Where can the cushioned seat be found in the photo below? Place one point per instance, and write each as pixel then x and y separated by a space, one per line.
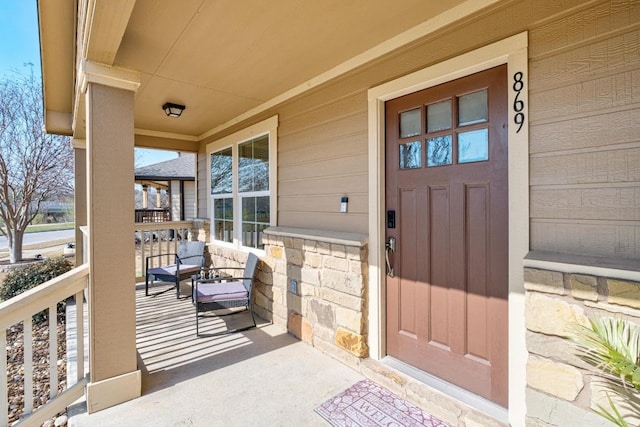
pixel 189 259
pixel 171 270
pixel 223 291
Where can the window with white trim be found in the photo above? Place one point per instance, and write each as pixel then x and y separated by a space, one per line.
pixel 243 187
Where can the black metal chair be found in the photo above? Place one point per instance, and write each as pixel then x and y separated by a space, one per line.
pixel 225 292
pixel 188 261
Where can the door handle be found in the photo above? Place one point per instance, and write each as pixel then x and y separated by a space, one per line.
pixel 390 246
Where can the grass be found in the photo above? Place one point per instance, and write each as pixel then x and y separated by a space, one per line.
pixel 50 227
pixel 37 228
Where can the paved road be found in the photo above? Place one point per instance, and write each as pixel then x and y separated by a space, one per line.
pixel 41 237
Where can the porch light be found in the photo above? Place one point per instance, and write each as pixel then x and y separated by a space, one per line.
pixel 173 110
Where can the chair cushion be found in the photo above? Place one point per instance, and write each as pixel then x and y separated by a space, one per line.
pixel 220 291
pixel 170 270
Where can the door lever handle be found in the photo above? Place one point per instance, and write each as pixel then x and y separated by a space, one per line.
pixel 390 246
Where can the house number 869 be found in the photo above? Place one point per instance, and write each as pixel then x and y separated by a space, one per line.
pixel 518 105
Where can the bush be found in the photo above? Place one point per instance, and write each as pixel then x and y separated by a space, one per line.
pixel 19 281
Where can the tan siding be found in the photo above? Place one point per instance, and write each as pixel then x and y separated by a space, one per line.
pixel 189 199
pixel 602 93
pixel 618 127
pixel 619 239
pixel 175 200
pixel 322 156
pixel 201 179
pixel 585 131
pixel 614 165
pixel 584 92
pixel 618 203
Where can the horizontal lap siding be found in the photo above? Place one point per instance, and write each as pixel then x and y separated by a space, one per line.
pixel 584 76
pixel 203 207
pixel 584 95
pixel 322 156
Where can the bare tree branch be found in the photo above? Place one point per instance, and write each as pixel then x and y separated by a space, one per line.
pixel 34 166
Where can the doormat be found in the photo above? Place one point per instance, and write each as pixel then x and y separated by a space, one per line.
pixel 367 404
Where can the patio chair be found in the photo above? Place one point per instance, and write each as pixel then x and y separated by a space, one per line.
pixel 226 292
pixel 188 261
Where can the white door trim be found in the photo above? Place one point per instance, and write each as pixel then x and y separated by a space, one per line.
pixel 513 52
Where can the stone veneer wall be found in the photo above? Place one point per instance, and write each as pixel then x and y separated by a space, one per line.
pixel 561 388
pixel 328 308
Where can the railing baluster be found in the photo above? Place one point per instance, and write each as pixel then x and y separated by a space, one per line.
pixel 20 309
pixel 158 247
pixel 79 335
pixel 4 397
pixel 27 333
pixel 53 351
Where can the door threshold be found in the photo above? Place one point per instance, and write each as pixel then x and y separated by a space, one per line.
pixel 470 399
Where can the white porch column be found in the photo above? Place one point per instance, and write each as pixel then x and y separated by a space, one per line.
pixel 145 196
pixel 80 195
pixel 158 197
pixel 115 377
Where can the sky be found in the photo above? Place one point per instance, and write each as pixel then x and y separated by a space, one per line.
pixel 20 45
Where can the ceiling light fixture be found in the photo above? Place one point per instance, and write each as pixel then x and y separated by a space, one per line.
pixel 173 110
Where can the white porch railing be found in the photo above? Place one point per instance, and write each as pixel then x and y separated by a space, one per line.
pixel 159 238
pixel 21 309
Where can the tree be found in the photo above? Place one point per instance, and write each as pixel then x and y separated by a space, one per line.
pixel 34 166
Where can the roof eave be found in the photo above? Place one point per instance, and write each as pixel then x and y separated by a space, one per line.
pixel 56 27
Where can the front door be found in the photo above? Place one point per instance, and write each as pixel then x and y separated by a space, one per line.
pixel 447 209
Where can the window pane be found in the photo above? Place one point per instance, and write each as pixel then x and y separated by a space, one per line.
pixel 473 108
pixel 248 209
pixel 411 155
pixel 248 235
pixel 255 218
pixel 439 116
pixel 223 231
pixel 473 146
pixel 221 172
pixel 228 209
pixel 253 165
pixel 223 219
pixel 263 213
pixel 439 151
pixel 410 123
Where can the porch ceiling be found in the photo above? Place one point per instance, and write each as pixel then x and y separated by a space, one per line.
pixel 223 58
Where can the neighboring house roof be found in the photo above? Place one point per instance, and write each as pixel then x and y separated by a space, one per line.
pixel 182 168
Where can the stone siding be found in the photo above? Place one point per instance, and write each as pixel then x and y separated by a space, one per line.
pixel 313 284
pixel 561 388
pixel 319 287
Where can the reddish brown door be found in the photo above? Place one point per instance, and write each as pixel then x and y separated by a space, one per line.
pixel 446 182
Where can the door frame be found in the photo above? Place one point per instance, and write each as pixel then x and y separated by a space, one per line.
pixel 512 51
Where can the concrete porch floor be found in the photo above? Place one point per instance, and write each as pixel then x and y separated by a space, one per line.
pixel 262 376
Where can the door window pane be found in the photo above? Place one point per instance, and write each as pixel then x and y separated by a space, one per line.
pixel 439 151
pixel 439 116
pixel 410 123
pixel 473 146
pixel 253 165
pixel 472 108
pixel 221 172
pixel 411 155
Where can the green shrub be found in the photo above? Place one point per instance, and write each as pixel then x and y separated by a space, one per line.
pixel 19 281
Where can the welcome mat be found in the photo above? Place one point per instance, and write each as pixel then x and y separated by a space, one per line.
pixel 368 404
